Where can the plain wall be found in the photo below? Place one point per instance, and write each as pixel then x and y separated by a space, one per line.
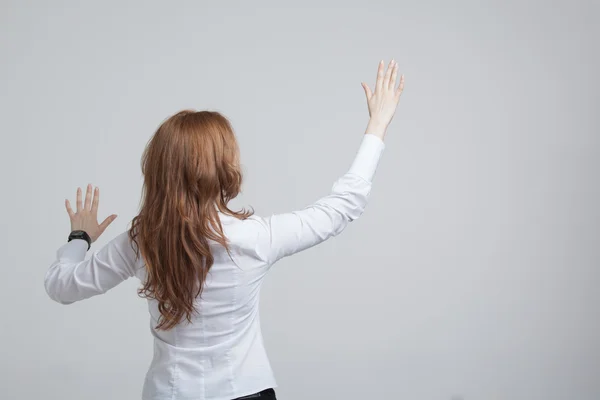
pixel 473 273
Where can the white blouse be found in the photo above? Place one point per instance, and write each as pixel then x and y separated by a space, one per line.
pixel 220 355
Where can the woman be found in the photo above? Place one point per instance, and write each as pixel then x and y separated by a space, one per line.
pixel 200 263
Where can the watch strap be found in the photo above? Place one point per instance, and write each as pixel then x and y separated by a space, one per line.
pixel 79 234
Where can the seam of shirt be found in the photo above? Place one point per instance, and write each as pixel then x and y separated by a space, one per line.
pixel 175 366
pixel 231 319
pixel 264 258
pixel 271 257
pixel 203 362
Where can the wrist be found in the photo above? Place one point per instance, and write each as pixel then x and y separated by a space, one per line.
pixel 80 234
pixel 377 128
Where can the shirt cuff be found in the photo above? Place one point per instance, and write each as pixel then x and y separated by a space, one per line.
pixel 74 250
pixel 367 158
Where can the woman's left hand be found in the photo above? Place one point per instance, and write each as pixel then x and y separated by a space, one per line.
pixel 86 217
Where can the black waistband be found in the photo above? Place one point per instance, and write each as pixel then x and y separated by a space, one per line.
pixel 264 394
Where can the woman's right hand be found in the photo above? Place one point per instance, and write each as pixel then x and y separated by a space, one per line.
pixel 383 102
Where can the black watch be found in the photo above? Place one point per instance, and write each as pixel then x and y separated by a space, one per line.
pixel 81 235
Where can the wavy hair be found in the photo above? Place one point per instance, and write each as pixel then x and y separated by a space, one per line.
pixel 191 171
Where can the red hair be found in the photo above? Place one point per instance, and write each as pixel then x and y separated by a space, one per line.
pixel 191 170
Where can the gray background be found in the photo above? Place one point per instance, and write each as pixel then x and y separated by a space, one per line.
pixel 473 274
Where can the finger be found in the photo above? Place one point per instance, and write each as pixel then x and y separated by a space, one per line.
pixel 69 209
pixel 400 86
pixel 79 206
pixel 107 222
pixel 96 200
pixel 368 92
pixel 393 78
pixel 88 197
pixel 379 82
pixel 388 73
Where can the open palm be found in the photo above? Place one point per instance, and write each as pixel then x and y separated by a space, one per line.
pixel 86 216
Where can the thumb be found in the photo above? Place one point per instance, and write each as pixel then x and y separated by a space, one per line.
pixel 107 222
pixel 368 92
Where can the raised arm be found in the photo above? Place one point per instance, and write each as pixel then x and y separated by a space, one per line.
pixel 281 235
pixel 71 277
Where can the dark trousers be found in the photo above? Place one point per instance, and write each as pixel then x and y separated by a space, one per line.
pixel 267 394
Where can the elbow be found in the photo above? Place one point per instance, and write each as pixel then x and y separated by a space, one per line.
pixel 356 206
pixel 55 296
pixel 355 212
pixel 51 288
pixel 358 212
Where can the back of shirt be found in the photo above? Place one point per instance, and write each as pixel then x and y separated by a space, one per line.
pixel 220 353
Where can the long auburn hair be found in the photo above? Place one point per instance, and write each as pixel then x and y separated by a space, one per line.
pixel 191 171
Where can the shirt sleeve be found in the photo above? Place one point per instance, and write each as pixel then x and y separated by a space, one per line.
pixel 285 234
pixel 71 277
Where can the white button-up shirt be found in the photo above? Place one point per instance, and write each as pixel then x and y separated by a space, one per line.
pixel 220 355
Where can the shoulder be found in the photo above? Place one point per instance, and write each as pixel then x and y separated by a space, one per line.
pixel 248 237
